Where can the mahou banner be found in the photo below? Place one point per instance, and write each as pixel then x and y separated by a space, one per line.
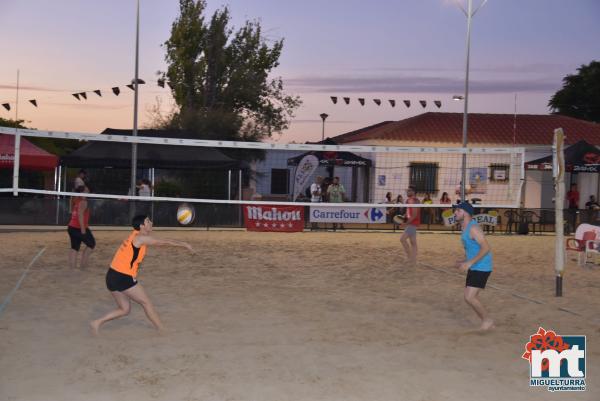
pixel 274 218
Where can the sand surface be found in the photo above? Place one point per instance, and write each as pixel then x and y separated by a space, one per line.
pixel 275 317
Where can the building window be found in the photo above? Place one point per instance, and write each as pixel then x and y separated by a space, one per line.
pixel 499 172
pixel 280 181
pixel 424 177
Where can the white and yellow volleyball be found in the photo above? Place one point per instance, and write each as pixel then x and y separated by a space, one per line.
pixel 185 215
pixel 399 219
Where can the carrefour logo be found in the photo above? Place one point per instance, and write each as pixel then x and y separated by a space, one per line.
pixel 334 214
pixel 374 214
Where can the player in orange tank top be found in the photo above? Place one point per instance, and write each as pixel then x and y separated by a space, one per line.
pixel 121 276
pixel 413 219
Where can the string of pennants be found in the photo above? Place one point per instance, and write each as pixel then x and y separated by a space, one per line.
pixel 379 102
pixel 116 91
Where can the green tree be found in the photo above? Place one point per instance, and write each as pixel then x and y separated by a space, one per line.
pixel 580 94
pixel 4 122
pixel 220 78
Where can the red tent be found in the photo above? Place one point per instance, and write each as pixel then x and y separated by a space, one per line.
pixel 32 157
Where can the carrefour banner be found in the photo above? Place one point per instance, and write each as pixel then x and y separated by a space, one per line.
pixel 333 214
pixel 489 219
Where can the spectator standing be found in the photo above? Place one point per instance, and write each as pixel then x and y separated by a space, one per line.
pixel 336 194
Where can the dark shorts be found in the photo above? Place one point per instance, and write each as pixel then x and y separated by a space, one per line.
pixel 476 278
pixel 116 281
pixel 77 238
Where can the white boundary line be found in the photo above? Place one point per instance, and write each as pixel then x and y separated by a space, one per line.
pixel 7 299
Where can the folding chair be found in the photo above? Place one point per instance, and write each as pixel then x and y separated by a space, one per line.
pixel 581 246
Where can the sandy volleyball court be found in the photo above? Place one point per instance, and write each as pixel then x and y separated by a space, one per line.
pixel 308 316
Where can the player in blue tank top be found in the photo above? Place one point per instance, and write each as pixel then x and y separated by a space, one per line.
pixel 478 262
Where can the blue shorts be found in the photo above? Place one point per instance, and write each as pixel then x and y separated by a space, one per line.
pixel 411 230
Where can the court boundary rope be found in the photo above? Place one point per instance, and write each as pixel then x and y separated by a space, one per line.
pixel 511 292
pixel 7 299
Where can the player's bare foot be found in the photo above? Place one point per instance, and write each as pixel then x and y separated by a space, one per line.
pixel 486 325
pixel 95 327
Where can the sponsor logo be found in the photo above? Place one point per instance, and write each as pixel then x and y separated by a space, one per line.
pixel 272 214
pixel 274 218
pixel 556 362
pixel 6 157
pixel 488 219
pixel 375 214
pixel 332 214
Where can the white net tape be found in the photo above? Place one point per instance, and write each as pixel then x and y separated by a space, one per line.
pixel 282 174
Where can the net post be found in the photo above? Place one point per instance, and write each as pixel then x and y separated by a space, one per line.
pixel 559 180
pixel 16 163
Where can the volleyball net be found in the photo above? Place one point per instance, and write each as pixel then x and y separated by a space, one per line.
pixel 225 175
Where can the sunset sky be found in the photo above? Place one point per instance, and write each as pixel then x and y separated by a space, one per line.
pixel 401 49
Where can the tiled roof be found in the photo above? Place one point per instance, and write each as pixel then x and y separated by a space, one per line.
pixel 531 129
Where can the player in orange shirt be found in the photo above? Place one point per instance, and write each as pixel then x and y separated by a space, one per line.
pixel 121 276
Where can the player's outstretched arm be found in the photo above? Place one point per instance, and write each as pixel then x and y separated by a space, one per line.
pixel 149 240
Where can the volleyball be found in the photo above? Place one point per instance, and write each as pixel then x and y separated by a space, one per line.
pixel 185 215
pixel 399 219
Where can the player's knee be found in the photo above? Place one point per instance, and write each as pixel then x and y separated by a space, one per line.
pixel 125 310
pixel 145 303
pixel 469 297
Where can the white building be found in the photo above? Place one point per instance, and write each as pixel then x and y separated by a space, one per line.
pixel 533 132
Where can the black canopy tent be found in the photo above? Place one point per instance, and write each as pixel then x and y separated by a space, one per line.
pixel 580 157
pixel 209 173
pixel 118 154
pixel 333 159
pixel 102 156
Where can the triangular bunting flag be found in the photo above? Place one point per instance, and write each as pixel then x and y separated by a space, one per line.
pixel 392 102
pixel 347 100
pixel 361 101
pixel 76 95
pixel 97 92
pixel 161 83
pixel 334 99
pixel 83 95
pixel 116 90
pixel 130 86
pixel 407 103
pixel 140 81
pixel 438 103
pixel 377 102
pixel 33 102
pixel 6 106
pixel 423 103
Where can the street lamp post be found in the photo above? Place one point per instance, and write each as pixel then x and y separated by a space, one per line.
pixel 470 13
pixel 323 117
pixel 135 102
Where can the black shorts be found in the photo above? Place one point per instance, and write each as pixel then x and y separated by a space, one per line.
pixel 476 278
pixel 77 238
pixel 116 281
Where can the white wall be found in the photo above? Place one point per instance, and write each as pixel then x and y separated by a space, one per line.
pixel 587 184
